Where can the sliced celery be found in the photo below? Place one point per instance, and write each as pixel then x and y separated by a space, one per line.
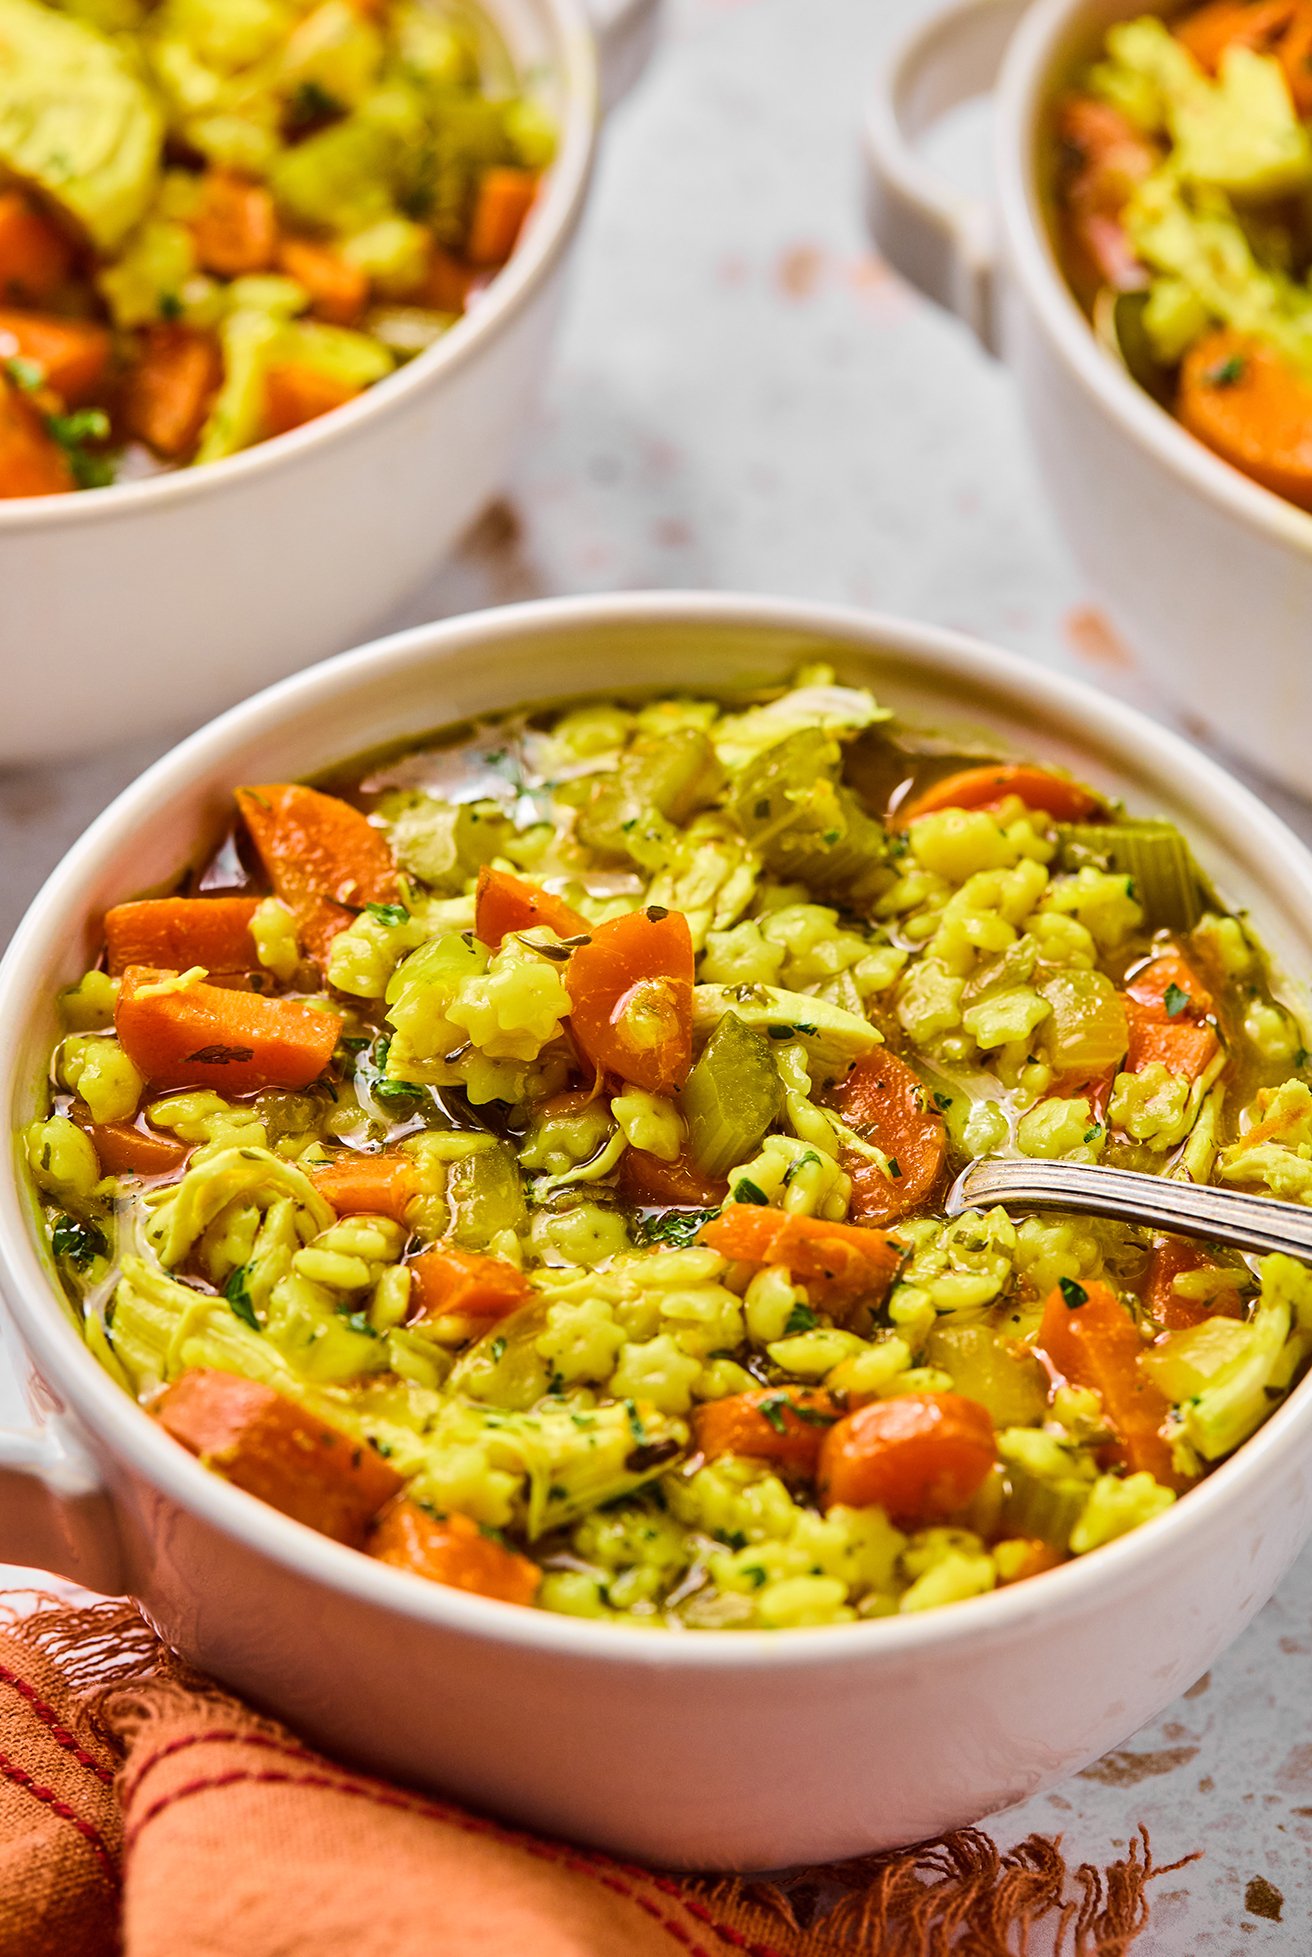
pixel 1153 854
pixel 486 1196
pixel 1042 1509
pixel 807 826
pixel 673 774
pixel 1012 1387
pixel 731 1098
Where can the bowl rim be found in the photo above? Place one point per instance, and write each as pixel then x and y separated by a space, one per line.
pixel 1024 95
pixel 103 1409
pixel 549 229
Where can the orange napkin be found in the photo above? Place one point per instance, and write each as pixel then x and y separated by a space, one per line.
pixel 143 1810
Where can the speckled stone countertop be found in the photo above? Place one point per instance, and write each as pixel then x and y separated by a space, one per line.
pixel 744 398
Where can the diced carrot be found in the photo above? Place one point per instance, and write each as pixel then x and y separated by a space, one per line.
pixel 35 255
pixel 1245 401
pixel 1105 158
pixel 1295 52
pixel 266 1444
pixel 294 394
pixel 368 1185
pixel 781 1424
pixel 987 788
pixel 175 933
pixel 339 290
pixel 1089 1337
pixel 324 858
pixel 630 990
pixel 919 1457
pixel 1170 973
pixel 503 904
pixel 169 387
pixel 453 1550
pixel 31 461
pixel 235 225
pixel 1171 1258
pixel 1208 31
pixel 125 1150
pixel 501 203
pixel 73 354
pixel 201 1035
pixel 646 1180
pixel 449 1279
pixel 838 1263
pixel 448 283
pixel 1165 1006
pixel 883 1100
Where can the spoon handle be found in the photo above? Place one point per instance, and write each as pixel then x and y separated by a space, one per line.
pixel 1188 1209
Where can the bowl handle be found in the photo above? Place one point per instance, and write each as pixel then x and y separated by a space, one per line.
pixel 938 237
pixel 626 32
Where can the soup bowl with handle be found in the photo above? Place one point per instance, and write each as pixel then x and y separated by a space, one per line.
pixel 1207 574
pixel 151 604
pixel 732 1750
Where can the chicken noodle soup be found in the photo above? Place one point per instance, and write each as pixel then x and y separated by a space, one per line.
pixel 1184 163
pixel 219 221
pixel 522 1158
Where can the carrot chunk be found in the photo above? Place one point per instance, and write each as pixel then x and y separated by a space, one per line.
pixel 1166 1004
pixel 339 291
pixel 1209 31
pixel 35 256
pixel 175 933
pixel 449 1279
pixel 235 225
pixel 294 395
pixel 503 904
pixel 1089 1337
pixel 501 203
pixel 630 990
pixel 323 857
pixel 838 1263
pixel 1248 404
pixel 1106 158
pixel 202 1035
pixel 883 1100
pixel 453 1550
pixel 170 386
pixel 73 354
pixel 124 1150
pixel 1170 1259
pixel 266 1444
pixel 784 1425
pixel 988 787
pixel 368 1185
pixel 448 283
pixel 646 1180
pixel 919 1457
pixel 31 461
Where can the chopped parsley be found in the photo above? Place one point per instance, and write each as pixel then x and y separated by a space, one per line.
pixel 675 1228
pixel 942 1102
pixel 239 1297
pixel 388 913
pixel 1228 372
pixel 359 1322
pixel 1074 1294
pixel 636 1428
pixel 746 1191
pixel 774 1412
pixel 800 1319
pixel 77 1243
pixel 497 1349
pixel 1175 999
pixel 73 432
pixel 397 1093
pixel 27 375
pixel 1092 1134
pixel 894 1167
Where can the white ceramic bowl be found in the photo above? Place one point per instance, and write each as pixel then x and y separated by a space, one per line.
pixel 153 604
pixel 729 1750
pixel 1208 575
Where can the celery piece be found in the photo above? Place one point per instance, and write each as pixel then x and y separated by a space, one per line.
pixel 731 1098
pixel 804 823
pixel 1154 854
pixel 486 1196
pixel 336 50
pixel 1013 1389
pixel 1086 1031
pixel 333 351
pixel 674 774
pixel 237 416
pixel 1041 1509
pixel 832 1036
pixel 340 178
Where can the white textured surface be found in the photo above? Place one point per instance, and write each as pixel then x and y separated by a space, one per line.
pixel 744 398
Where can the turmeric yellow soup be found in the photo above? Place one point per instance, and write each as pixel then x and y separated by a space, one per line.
pixel 522 1158
pixel 220 219
pixel 1182 177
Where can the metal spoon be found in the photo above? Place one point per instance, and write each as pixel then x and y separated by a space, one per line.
pixel 1188 1209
